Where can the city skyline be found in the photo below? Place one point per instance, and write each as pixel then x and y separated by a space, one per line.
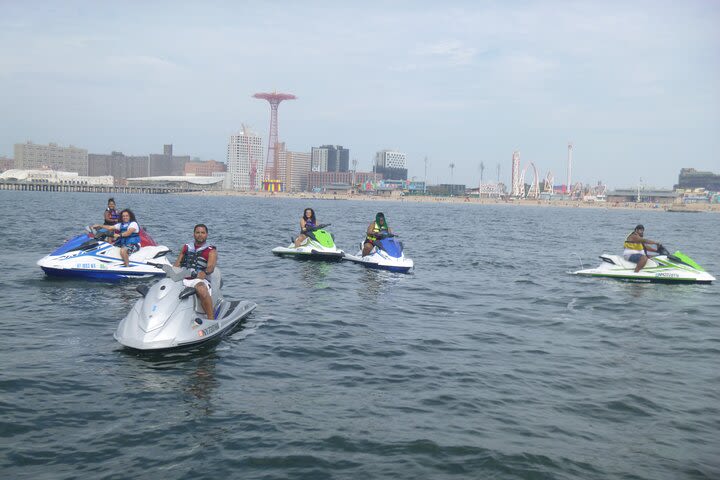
pixel 634 87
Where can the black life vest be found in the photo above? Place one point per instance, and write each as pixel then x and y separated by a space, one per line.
pixel 196 258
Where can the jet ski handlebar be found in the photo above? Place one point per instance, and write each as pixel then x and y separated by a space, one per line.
pixel 176 274
pixel 317 227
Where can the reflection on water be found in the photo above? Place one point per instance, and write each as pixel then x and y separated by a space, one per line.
pixel 314 274
pixel 189 372
pixel 377 283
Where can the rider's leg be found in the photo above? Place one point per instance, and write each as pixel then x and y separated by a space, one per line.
pixel 125 256
pixel 641 263
pixel 205 300
pixel 299 240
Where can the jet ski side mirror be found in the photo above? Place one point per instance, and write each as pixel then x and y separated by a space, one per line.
pixel 142 289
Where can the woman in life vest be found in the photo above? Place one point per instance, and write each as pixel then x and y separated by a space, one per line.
pixel 307 222
pixel 636 247
pixel 200 258
pixel 373 231
pixel 127 237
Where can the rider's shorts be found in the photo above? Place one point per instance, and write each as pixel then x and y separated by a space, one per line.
pixel 635 257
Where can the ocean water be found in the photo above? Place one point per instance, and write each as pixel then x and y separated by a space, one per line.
pixel 488 361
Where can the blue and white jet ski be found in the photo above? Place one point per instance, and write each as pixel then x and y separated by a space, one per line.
pixel 88 257
pixel 386 254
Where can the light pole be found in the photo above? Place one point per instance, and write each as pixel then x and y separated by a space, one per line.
pixel 482 169
pixel 425 184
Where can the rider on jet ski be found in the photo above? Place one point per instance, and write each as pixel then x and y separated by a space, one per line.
pixel 128 236
pixel 111 215
pixel 201 258
pixel 306 222
pixel 637 246
pixel 374 229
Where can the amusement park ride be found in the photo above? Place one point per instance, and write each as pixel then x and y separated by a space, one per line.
pixel 572 191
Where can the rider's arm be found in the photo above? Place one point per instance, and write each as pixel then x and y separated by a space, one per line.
pixel 370 229
pixel 180 257
pixel 127 232
pixel 212 261
pixel 648 241
pixel 302 225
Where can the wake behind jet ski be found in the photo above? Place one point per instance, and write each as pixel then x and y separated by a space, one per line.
pixel 170 315
pixel 663 268
pixel 386 254
pixel 89 256
pixel 318 244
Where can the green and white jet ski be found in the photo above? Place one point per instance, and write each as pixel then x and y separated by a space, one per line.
pixel 663 268
pixel 319 245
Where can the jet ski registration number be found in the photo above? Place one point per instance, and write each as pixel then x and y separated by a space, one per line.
pixel 90 266
pixel 667 275
pixel 209 330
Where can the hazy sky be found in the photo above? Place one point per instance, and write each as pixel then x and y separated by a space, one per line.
pixel 634 85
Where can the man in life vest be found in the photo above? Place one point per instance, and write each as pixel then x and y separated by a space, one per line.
pixel 636 247
pixel 374 230
pixel 201 259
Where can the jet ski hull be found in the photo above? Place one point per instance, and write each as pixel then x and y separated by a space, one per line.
pixel 659 269
pixel 309 253
pixel 100 275
pixel 230 314
pixel 386 254
pixel 170 316
pixel 402 265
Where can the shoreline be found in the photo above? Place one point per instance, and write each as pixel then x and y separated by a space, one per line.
pixel 672 207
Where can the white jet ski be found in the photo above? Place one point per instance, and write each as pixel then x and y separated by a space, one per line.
pixel 663 268
pixel 171 316
pixel 87 256
pixel 386 254
pixel 319 245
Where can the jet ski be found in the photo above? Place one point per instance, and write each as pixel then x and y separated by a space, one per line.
pixel 89 256
pixel 171 316
pixel 663 268
pixel 319 245
pixel 386 254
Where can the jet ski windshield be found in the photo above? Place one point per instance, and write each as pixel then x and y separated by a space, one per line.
pixel 391 246
pixel 81 242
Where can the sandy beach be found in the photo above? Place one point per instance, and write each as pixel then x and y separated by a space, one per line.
pixel 681 208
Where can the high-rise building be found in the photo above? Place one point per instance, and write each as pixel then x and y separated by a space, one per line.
pixel 167 164
pixel 691 178
pixel 118 165
pixel 391 164
pixel 29 156
pixel 330 158
pixel 319 159
pixel 245 165
pixel 6 164
pixel 293 168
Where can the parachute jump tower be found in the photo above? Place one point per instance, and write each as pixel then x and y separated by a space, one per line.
pixel 274 99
